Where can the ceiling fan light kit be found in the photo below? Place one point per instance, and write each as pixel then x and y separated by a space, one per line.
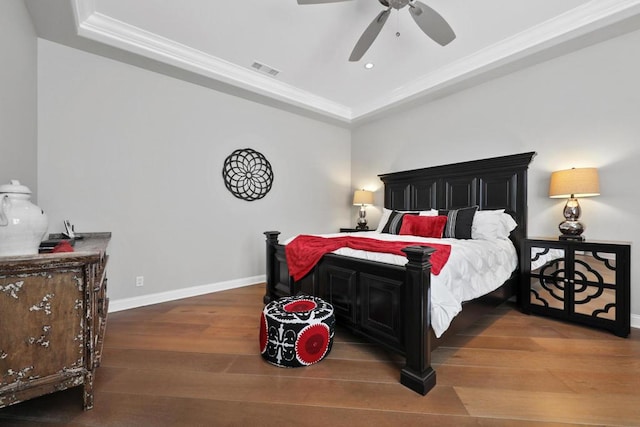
pixel 429 21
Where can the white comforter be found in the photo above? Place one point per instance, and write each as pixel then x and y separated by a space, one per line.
pixel 474 268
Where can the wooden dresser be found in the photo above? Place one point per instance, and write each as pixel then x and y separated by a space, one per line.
pixel 53 314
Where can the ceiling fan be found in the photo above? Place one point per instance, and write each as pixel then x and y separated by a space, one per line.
pixel 429 21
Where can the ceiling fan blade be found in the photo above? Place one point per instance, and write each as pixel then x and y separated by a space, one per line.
pixel 319 1
pixel 369 35
pixel 432 23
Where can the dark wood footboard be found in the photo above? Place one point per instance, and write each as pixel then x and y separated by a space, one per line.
pixel 386 304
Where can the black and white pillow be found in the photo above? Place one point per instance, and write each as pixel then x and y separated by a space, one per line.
pixel 394 223
pixel 459 222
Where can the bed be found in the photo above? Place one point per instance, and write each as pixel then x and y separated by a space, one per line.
pixel 390 304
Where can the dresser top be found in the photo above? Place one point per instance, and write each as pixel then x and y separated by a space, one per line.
pixel 578 242
pixel 90 247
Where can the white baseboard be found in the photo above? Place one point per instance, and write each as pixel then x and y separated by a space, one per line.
pixel 635 321
pixel 127 303
pixel 134 302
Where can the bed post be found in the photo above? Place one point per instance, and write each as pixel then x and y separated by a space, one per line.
pixel 418 374
pixel 272 241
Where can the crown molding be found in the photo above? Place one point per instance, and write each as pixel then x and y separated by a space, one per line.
pixel 574 23
pixel 579 21
pixel 82 10
pixel 104 29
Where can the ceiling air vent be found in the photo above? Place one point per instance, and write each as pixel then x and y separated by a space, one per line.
pixel 265 69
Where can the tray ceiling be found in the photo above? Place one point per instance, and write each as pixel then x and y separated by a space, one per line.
pixel 308 46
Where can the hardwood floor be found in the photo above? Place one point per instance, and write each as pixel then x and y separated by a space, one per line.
pixel 195 362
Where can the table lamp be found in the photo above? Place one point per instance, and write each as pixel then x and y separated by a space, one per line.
pixel 362 198
pixel 571 184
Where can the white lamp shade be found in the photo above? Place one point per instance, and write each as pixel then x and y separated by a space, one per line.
pixel 582 182
pixel 363 197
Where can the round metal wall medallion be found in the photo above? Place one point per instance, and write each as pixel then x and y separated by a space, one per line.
pixel 247 174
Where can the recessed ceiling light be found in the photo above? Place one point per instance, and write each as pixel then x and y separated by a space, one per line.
pixel 369 65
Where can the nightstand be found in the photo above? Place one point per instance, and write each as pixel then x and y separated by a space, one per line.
pixel 353 230
pixel 584 282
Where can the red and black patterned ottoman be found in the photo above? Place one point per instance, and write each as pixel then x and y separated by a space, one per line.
pixel 296 331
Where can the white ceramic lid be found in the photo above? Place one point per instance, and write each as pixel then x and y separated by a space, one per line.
pixel 14 187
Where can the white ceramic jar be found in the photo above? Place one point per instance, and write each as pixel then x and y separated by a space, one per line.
pixel 23 225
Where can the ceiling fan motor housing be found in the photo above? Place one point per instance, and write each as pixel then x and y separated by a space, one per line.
pixel 396 4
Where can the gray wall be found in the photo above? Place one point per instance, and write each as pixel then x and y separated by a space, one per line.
pixel 18 137
pixel 578 110
pixel 140 154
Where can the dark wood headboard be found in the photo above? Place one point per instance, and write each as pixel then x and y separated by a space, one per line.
pixel 494 183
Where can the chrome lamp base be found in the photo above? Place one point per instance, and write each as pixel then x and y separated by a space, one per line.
pixel 362 220
pixel 571 228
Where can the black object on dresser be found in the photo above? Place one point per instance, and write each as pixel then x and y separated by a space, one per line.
pixel 353 230
pixel 586 282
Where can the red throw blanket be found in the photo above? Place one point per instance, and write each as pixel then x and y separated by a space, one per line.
pixel 304 252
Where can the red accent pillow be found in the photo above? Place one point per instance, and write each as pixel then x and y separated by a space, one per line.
pixel 424 226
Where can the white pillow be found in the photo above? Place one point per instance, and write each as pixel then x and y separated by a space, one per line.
pixel 432 212
pixel 386 213
pixel 492 225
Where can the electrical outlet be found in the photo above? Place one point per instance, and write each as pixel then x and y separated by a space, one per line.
pixel 139 281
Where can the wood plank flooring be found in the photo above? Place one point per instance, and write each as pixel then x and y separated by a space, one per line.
pixel 195 362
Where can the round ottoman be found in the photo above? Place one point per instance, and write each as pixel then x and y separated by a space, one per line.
pixel 296 331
